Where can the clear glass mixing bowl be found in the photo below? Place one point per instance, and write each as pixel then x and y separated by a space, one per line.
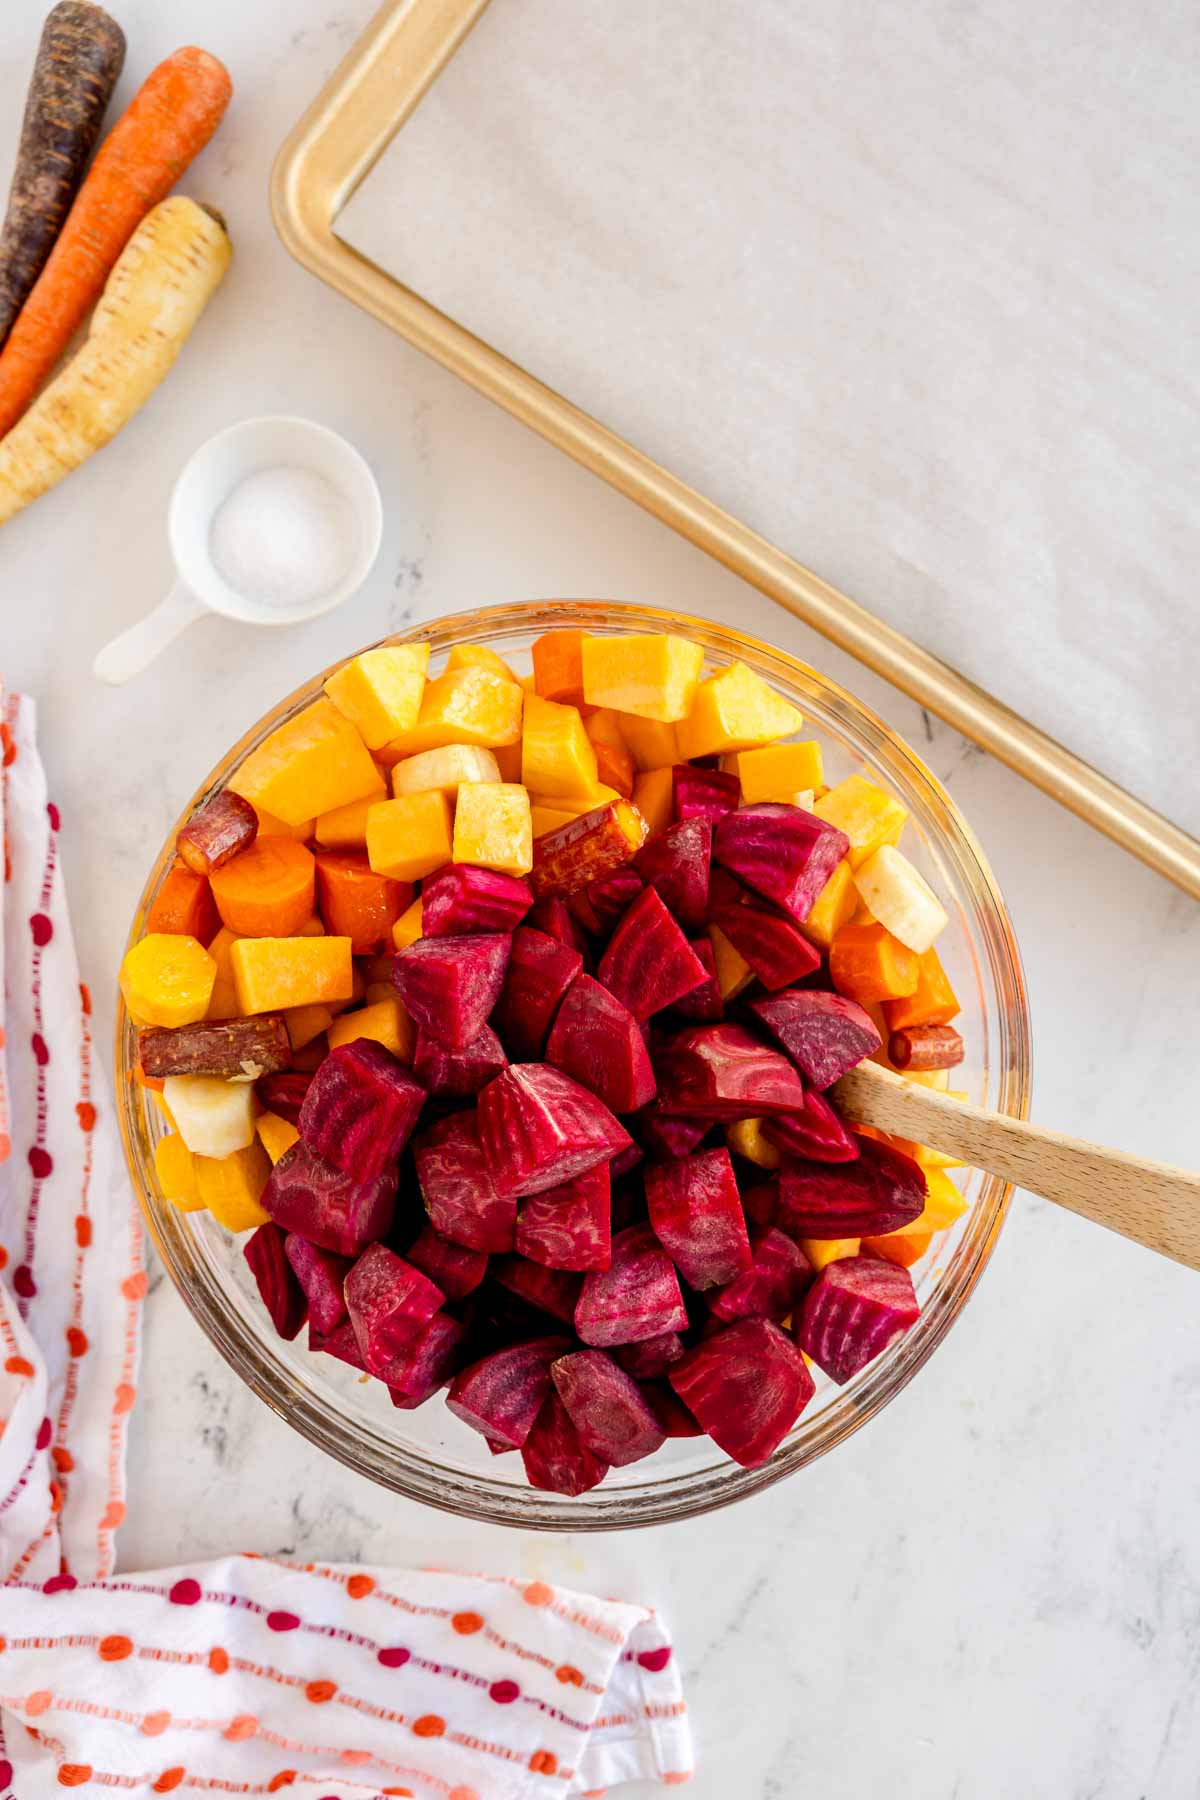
pixel 429 1455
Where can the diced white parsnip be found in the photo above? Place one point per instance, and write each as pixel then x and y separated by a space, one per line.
pixel 901 899
pixel 212 1116
pixel 444 770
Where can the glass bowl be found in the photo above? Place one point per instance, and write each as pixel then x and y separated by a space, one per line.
pixel 428 1454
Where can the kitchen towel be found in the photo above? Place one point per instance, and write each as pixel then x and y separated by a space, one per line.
pixel 909 289
pixel 248 1675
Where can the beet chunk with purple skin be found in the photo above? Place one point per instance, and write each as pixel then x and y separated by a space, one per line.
pixel 540 1129
pixel 782 852
pixel 450 984
pixel 637 1297
pixel 878 1193
pixel 540 970
pixel 360 1109
pixel 598 1042
pixel 747 1385
pixel 771 1287
pixel 825 1035
pixel 281 1293
pixel 852 1311
pixel 502 1394
pixel 775 948
pixel 677 862
pixel 326 1206
pixel 461 899
pixel 815 1132
pixel 607 1407
pixel 706 794
pixel 456 1182
pixel 696 1213
pixel 649 963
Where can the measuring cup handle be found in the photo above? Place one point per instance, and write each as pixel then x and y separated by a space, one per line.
pixel 127 655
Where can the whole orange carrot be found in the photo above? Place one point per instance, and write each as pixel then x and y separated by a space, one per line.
pixel 169 121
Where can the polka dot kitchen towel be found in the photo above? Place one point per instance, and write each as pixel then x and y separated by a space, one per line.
pixel 251 1675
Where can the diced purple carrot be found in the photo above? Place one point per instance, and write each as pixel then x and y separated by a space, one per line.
pixel 825 1035
pixel 782 852
pixel 775 948
pixel 649 963
pixel 281 1293
pixel 852 1311
pixel 540 1129
pixel 607 1407
pixel 322 1275
pixel 652 1357
pixel 390 1303
pixel 569 1227
pixel 678 864
pixel 771 1287
pixel 501 1395
pixel 458 1074
pixel 636 1297
pixel 815 1131
pixel 360 1110
pixel 552 1291
pixel 326 1206
pixel 706 794
pixel 449 985
pixel 461 899
pixel 427 1363
pixel 598 1042
pixel 720 1072
pixel 878 1193
pixel 452 1267
pixel 747 1385
pixel 540 970
pixel 696 1214
pixel 556 1459
pixel 456 1182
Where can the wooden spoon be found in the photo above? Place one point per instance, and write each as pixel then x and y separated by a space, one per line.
pixel 1150 1202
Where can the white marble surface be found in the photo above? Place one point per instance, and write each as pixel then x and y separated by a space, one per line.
pixel 993 1591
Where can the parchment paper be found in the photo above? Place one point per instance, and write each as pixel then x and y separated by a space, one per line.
pixel 910 289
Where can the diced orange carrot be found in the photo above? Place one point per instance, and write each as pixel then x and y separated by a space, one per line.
pixel 558 666
pixel 614 767
pixel 184 905
pixel 868 963
pixel 358 903
pixel 933 1002
pixel 268 890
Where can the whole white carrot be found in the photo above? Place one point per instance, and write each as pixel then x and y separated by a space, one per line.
pixel 162 281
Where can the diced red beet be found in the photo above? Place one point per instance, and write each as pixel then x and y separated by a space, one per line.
pixel 322 1275
pixel 569 1227
pixel 649 962
pixel 771 1287
pixel 598 1042
pixel 501 1395
pixel 552 1291
pixel 461 899
pixel 625 1160
pixel 281 1293
pixel 776 950
pixel 704 793
pixel 284 1093
pixel 673 1416
pixel 664 1138
pixel 718 1072
pixel 555 1457
pixel 696 1213
pixel 456 1181
pixel 390 1303
pixel 449 985
pixel 540 1129
pixel 747 1385
pixel 825 1035
pixel 677 863
pixel 553 916
pixel 878 1193
pixel 340 1342
pixel 607 1408
pixel 427 1363
pixel 704 1002
pixel 815 1131
pixel 723 890
pixel 636 1297
pixel 540 970
pixel 452 1267
pixel 458 1074
pixel 852 1311
pixel 782 852
pixel 329 1208
pixel 360 1109
pixel 599 906
pixel 760 1204
pixel 652 1357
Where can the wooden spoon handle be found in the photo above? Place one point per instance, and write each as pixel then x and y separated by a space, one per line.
pixel 1150 1202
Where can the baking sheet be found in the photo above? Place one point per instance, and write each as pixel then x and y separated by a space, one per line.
pixel 910 291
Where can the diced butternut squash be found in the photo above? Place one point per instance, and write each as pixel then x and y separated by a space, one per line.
pixel 443 771
pixel 735 709
pixel 575 805
pixel 276 1135
pixel 654 797
pixel 899 896
pixel 943 1202
pixel 275 974
pixel 746 1137
pixel 493 826
pixel 604 726
pixel 508 761
pixel 463 706
pixel 222 1002
pixel 269 825
pixel 175 1167
pixel 304 1023
pixel 867 814
pixel 867 963
pixel 167 979
pixel 547 818
pixel 652 744
pixel 652 675
pixel 557 756
pixel 380 691
pixel 777 771
pixel 386 1021
pixel 833 907
pixel 309 765
pixel 231 1186
pixel 183 905
pixel 822 1251
pixel 905 1246
pixel 407 928
pixel 345 828
pixel 933 1003
pixel 558 666
pixel 378 990
pixel 615 768
pixel 410 837
pixel 479 656
pixel 733 971
pixel 214 1117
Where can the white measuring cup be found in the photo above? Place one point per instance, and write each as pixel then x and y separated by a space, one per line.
pixel 206 481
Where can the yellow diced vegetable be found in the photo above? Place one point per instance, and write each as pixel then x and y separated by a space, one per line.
pixel 167 979
pixel 478 656
pixel 407 928
pixel 557 756
pixel 746 1137
pixel 733 971
pixel 176 1170
pixel 943 1202
pixel 777 771
pixel 548 818
pixel 276 1135
pixel 214 1117
pixel 653 675
pixel 308 766
pixel 463 706
pixel 271 826
pixel 822 1251
pixel 901 899
pixel 833 907
pixel 654 797
pixel 409 837
pixel 222 1002
pixel 939 1079
pixel 313 927
pixel 867 814
pixel 275 974
pixel 652 744
pixel 380 691
pixel 386 1021
pixel 345 828
pixel 378 990
pixel 575 805
pixel 735 709
pixel 444 770
pixel 604 726
pixel 304 1023
pixel 493 827
pixel 231 1186
pixel 508 761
